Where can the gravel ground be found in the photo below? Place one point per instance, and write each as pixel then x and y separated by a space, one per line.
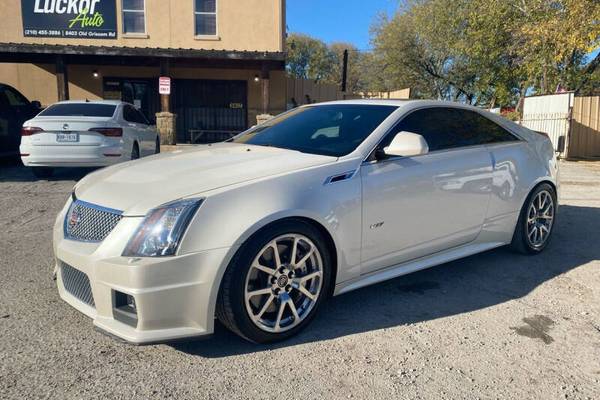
pixel 495 325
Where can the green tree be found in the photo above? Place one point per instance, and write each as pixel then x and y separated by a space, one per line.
pixel 308 58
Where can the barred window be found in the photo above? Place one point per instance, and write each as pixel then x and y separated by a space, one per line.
pixel 206 17
pixel 134 16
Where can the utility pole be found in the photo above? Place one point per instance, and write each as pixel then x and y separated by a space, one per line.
pixel 345 72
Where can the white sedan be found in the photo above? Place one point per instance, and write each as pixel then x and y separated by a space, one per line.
pixel 321 200
pixel 86 134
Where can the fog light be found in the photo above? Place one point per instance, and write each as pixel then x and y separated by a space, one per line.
pixel 131 302
pixel 125 308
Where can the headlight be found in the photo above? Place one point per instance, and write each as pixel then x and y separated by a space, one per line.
pixel 162 229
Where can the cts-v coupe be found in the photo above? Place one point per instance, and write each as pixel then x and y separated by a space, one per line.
pixel 321 200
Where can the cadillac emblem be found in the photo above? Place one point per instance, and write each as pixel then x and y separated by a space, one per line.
pixel 74 218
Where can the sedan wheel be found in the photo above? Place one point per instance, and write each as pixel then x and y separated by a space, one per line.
pixel 276 282
pixel 283 283
pixel 536 221
pixel 135 152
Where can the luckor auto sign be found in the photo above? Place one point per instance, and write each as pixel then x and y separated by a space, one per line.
pixel 77 19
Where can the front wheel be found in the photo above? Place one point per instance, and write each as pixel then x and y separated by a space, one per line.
pixel 536 222
pixel 275 283
pixel 135 152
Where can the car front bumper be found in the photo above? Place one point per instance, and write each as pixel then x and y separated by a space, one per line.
pixel 175 297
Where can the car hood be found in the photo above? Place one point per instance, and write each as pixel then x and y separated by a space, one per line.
pixel 138 186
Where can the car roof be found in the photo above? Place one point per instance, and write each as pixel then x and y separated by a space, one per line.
pixel 108 102
pixel 399 103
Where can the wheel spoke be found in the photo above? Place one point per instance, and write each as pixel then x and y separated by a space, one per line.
pixel 259 292
pixel 276 254
pixel 262 268
pixel 294 251
pixel 304 291
pixel 306 257
pixel 265 306
pixel 280 315
pixel 294 311
pixel 310 276
pixel 533 232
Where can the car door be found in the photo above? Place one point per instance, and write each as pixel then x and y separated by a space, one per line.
pixel 416 206
pixel 133 129
pixel 147 132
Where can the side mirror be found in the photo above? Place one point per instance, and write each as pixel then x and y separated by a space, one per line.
pixel 407 144
pixel 36 104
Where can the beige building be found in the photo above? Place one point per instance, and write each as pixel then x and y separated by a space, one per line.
pixel 225 58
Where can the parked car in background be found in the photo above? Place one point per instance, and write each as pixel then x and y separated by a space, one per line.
pixel 321 200
pixel 15 109
pixel 86 134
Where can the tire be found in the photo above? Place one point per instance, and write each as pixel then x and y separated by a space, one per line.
pixel 135 151
pixel 42 172
pixel 233 306
pixel 529 226
pixel 157 146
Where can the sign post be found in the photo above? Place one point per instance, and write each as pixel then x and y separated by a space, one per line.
pixel 164 88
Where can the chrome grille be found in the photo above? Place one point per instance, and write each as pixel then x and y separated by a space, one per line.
pixel 77 284
pixel 90 223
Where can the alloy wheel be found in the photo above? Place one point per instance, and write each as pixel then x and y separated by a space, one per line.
pixel 283 283
pixel 540 218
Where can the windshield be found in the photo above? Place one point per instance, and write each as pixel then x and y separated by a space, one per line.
pixel 332 130
pixel 80 110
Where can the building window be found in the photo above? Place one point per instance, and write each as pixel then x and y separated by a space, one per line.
pixel 206 17
pixel 134 16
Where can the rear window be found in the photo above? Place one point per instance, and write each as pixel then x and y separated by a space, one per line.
pixel 79 110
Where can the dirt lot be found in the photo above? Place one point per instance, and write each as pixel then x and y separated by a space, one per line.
pixel 495 325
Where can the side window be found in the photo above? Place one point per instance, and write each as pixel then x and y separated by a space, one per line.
pixel 487 131
pixel 129 114
pixel 449 128
pixel 441 127
pixel 140 118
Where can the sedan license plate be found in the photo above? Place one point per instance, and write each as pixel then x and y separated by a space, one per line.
pixel 67 137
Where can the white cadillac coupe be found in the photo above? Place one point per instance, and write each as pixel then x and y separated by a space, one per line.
pixel 321 200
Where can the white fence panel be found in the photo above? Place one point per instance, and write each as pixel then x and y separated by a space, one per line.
pixel 549 114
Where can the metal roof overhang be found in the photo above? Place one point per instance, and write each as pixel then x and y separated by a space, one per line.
pixel 140 56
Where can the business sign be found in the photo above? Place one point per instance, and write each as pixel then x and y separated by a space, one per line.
pixel 75 19
pixel 164 85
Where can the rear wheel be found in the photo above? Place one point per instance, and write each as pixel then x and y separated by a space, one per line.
pixel 135 152
pixel 275 283
pixel 536 222
pixel 42 172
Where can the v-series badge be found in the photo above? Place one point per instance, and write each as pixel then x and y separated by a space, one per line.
pixel 65 6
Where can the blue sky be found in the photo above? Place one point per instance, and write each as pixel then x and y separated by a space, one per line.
pixel 337 20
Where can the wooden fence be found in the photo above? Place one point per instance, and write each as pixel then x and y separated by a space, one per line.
pixel 584 135
pixel 304 91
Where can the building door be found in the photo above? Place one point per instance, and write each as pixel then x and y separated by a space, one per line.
pixel 142 93
pixel 210 110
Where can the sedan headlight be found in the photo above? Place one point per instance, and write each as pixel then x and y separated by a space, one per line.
pixel 162 229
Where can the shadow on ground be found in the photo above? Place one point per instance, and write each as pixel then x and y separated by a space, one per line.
pixel 462 286
pixel 11 170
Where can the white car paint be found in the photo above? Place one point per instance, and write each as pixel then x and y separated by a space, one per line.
pixel 386 219
pixel 92 149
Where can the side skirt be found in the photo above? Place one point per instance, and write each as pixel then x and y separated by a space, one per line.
pixel 414 266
